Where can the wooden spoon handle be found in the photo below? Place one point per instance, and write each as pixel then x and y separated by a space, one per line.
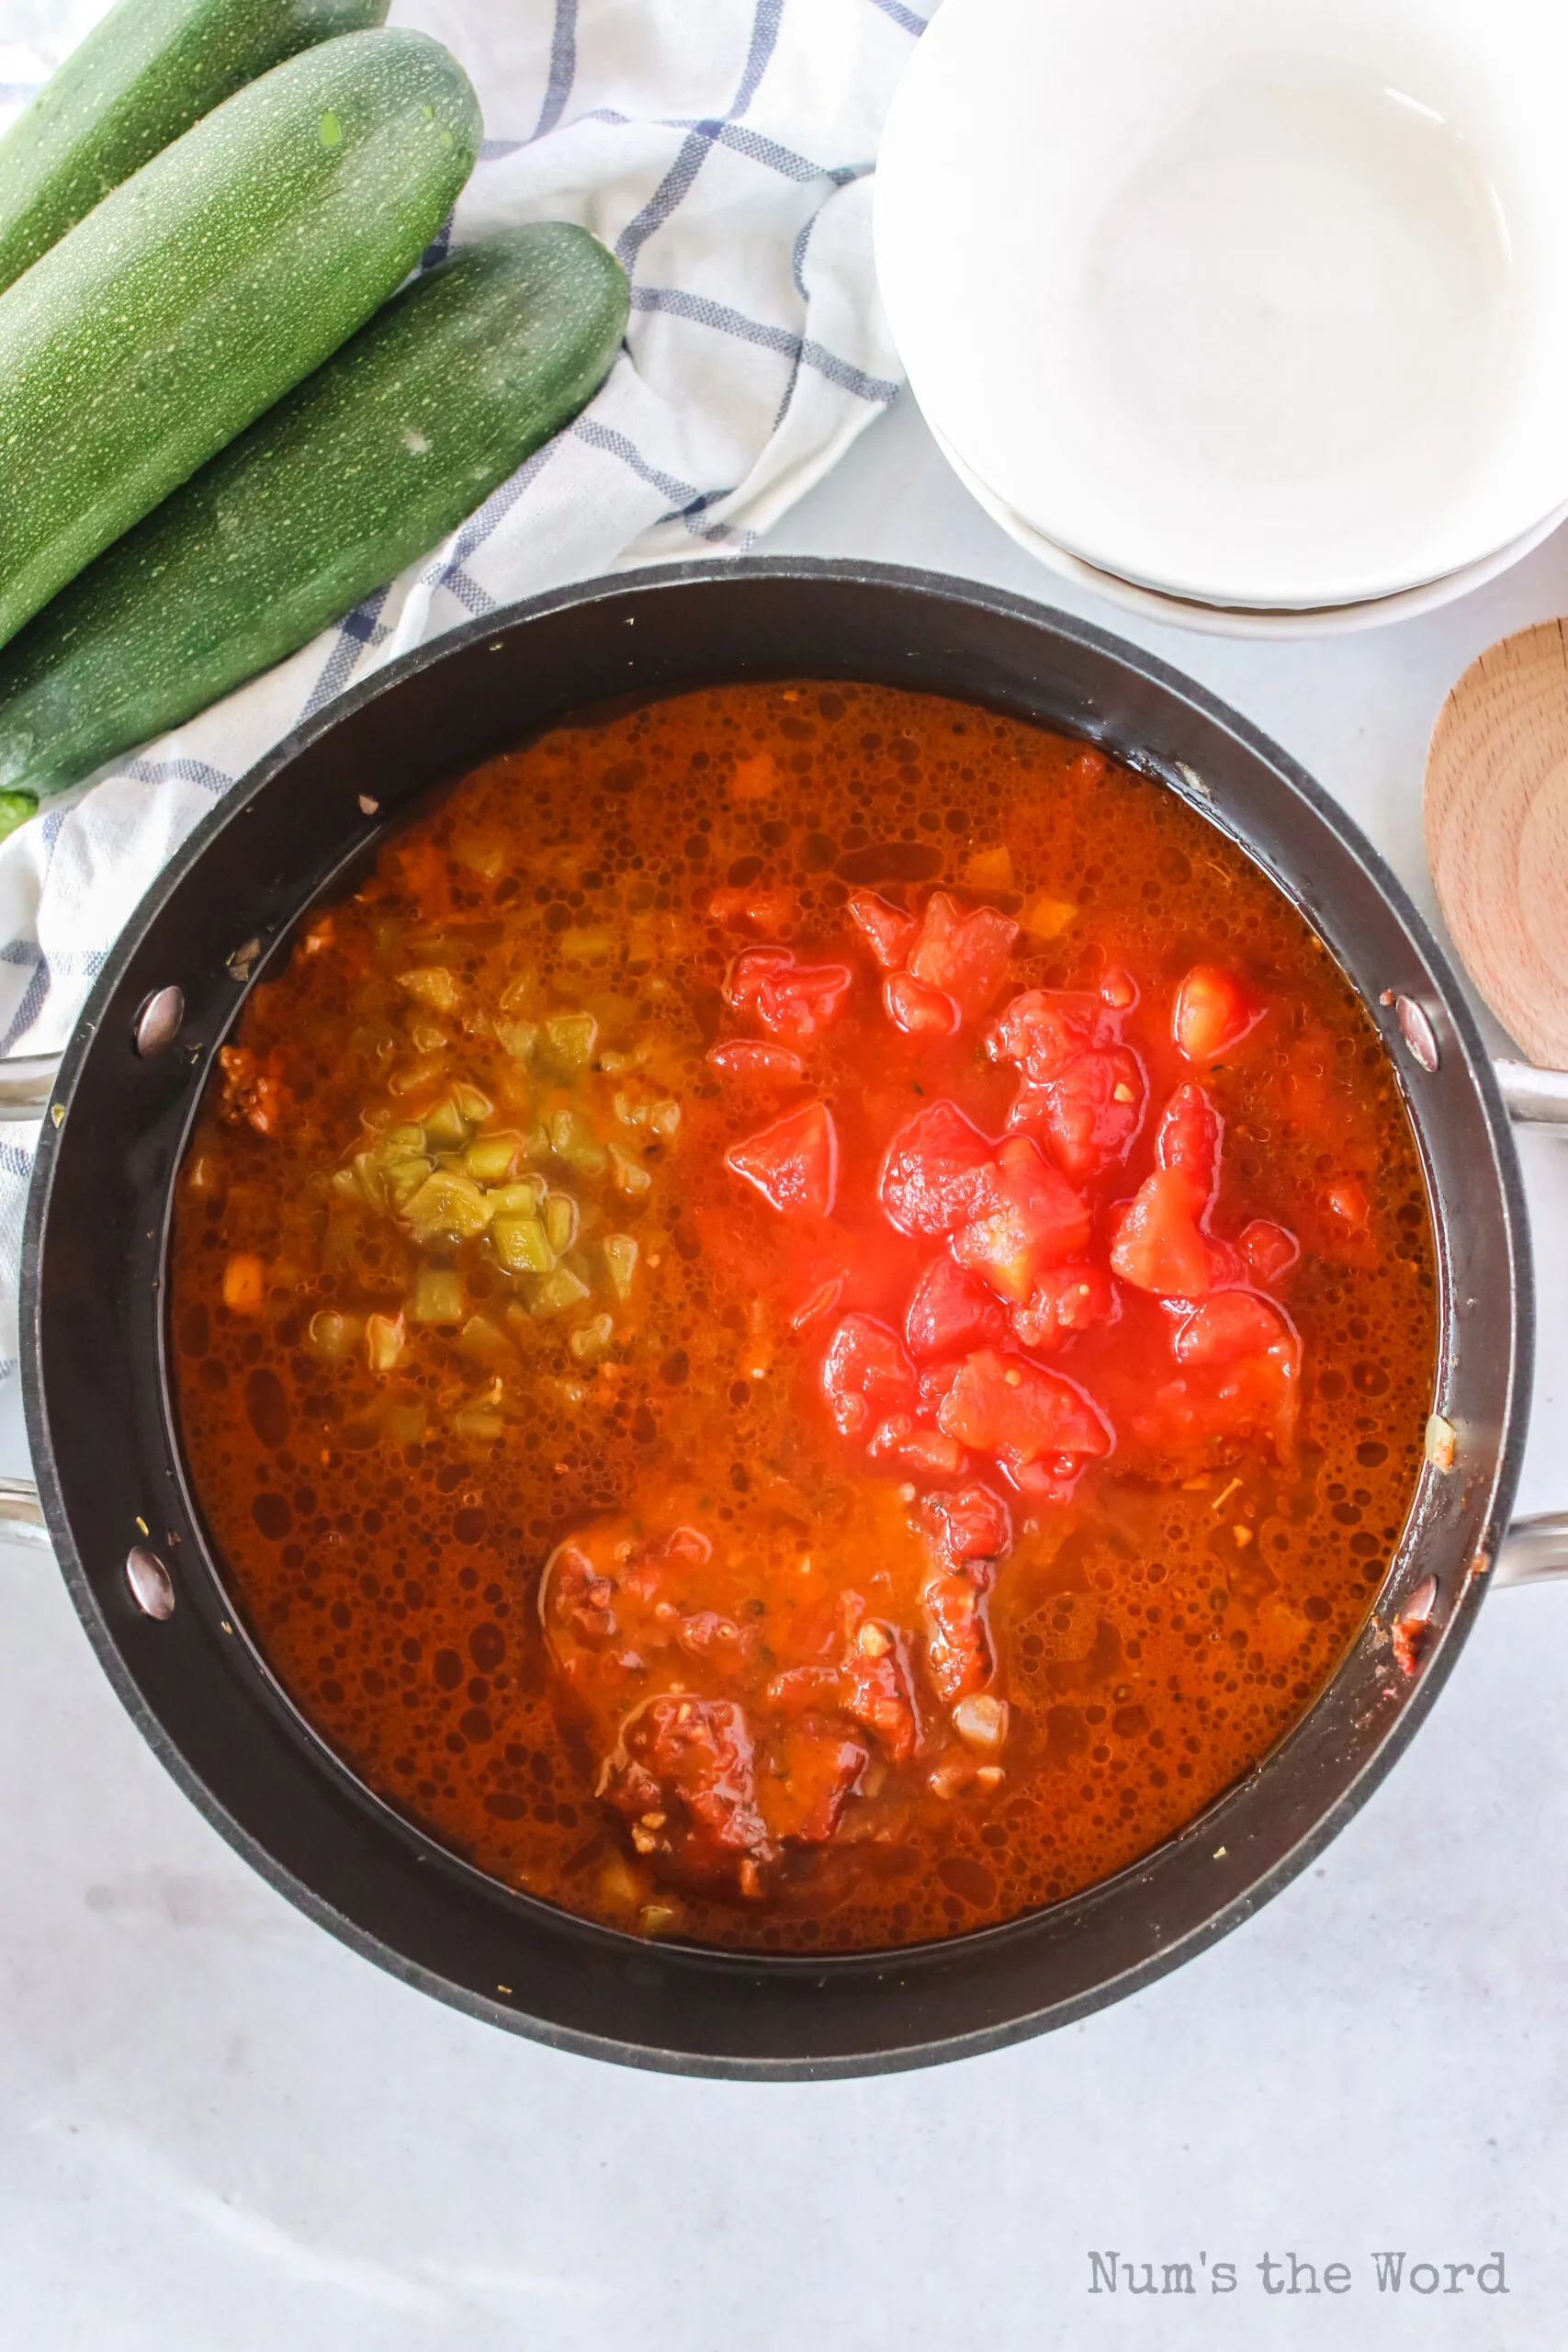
pixel 1496 811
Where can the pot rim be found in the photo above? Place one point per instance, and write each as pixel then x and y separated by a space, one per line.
pixel 1066 632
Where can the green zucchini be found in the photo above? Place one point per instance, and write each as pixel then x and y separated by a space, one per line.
pixel 364 467
pixel 205 287
pixel 145 73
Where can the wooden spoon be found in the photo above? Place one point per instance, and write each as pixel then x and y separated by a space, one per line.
pixel 1497 809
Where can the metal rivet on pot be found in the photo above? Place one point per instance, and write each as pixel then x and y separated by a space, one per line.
pixel 1421 1603
pixel 152 1587
pixel 158 1022
pixel 1410 1630
pixel 1417 1031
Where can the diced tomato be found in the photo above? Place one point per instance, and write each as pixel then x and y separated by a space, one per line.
pixel 749 1057
pixel 1026 1216
pixel 890 931
pixel 1049 1480
pixel 1257 1397
pixel 1089 1113
pixel 949 1312
pixel 1188 1142
pixel 1228 1269
pixel 878 1691
pixel 752 970
pixel 817 1303
pixel 761 910
pixel 973 1524
pixel 866 1376
pixel 1157 1245
pixel 795 1163
pixel 803 1690
pixel 932 1169
pixel 1240 1378
pixel 796 1001
pixel 1212 1009
pixel 964 954
pixel 920 1010
pixel 1044 1029
pixel 814 1770
pixel 1029 1113
pixel 1065 1300
pixel 935 1380
pixel 1270 1252
pixel 1348 1202
pixel 1229 1326
pixel 959 1658
pixel 926 1453
pixel 1118 989
pixel 1005 1406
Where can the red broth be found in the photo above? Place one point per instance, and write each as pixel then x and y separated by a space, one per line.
pixel 807 1323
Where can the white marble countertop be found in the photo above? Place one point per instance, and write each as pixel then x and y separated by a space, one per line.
pixel 218 2127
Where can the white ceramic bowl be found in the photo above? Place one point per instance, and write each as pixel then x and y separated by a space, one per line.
pixel 1253 302
pixel 1248 620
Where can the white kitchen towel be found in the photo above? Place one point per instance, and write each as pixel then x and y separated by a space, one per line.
pixel 723 149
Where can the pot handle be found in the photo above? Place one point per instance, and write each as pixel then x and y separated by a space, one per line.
pixel 1533 1097
pixel 1532 1551
pixel 26 1081
pixel 1539 1097
pixel 21 1515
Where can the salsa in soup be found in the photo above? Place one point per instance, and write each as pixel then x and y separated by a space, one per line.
pixel 807 1322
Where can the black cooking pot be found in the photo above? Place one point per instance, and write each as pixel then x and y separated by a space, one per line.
pixel 129 1532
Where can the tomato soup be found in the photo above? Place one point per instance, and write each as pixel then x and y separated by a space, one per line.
pixel 808 1321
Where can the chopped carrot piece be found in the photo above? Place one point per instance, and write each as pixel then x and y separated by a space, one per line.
pixel 244 1284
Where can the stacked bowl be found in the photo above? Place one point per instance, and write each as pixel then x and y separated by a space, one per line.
pixel 1251 314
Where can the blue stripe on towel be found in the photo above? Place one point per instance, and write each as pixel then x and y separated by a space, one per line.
pixel 685 495
pixel 563 67
pixel 355 632
pixel 695 150
pixel 200 771
pixel 904 17
pixel 700 310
